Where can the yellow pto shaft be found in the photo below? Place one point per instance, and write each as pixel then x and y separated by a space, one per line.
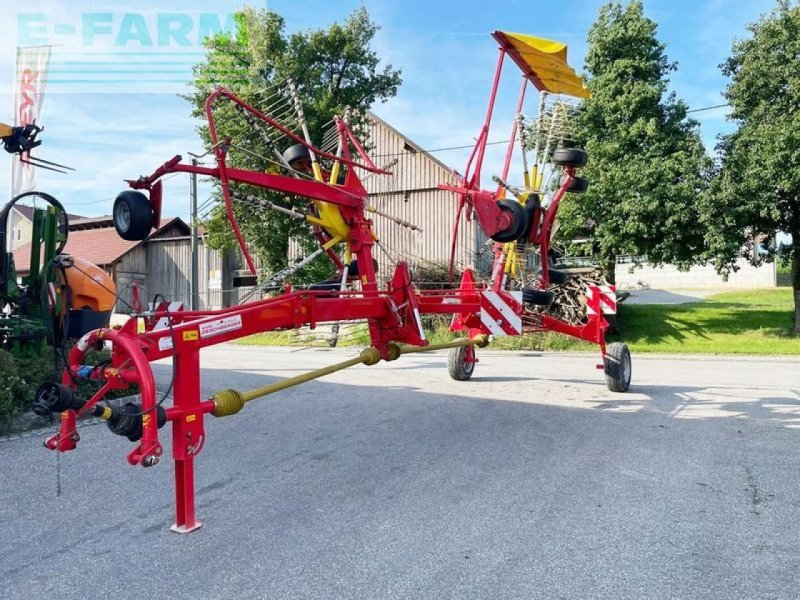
pixel 230 402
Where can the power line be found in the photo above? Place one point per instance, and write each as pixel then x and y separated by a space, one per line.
pixel 694 110
pixel 458 147
pixel 167 178
pixel 430 150
pixel 427 150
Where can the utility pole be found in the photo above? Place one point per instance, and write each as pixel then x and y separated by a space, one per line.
pixel 193 286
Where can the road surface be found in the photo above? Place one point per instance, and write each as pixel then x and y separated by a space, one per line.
pixel 393 481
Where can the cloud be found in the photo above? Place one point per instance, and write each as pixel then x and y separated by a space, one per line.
pixel 108 139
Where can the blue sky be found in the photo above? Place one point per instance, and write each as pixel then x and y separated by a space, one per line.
pixel 443 48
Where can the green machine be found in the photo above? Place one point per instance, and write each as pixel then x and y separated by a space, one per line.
pixel 32 307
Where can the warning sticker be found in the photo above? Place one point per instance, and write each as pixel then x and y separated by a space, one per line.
pixel 189 336
pixel 165 343
pixel 220 326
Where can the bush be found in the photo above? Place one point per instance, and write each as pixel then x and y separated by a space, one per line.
pixel 20 377
pixel 784 274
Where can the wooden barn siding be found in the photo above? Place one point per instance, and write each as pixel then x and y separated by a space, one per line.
pixel 413 171
pixel 163 265
pixel 431 210
pixel 411 194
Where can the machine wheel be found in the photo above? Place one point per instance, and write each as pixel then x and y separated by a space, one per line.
pixel 133 215
pixel 578 186
pixel 570 157
pixel 531 204
pixel 537 297
pixel 558 277
pixel 458 366
pixel 295 154
pixel 618 367
pixel 519 222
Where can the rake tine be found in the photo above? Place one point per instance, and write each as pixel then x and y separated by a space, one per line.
pixel 41 160
pixel 37 163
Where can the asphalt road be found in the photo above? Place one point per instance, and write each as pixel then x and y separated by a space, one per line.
pixel 530 481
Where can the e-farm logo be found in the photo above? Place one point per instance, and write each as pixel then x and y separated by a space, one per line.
pixel 121 51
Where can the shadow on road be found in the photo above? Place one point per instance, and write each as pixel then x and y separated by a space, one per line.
pixel 385 490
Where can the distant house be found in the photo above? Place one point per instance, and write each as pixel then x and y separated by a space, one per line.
pixel 96 240
pixel 20 225
pixel 630 276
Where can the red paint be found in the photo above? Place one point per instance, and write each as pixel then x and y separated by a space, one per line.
pixel 392 313
pixel 27 86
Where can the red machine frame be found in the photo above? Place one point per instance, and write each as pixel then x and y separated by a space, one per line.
pixel 491 219
pixel 393 313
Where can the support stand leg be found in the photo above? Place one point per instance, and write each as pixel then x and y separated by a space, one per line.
pixel 187 438
pixel 185 521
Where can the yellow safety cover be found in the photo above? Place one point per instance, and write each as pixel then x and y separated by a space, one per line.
pixel 544 63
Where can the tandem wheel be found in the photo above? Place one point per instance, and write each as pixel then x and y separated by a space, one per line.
pixel 617 365
pixel 461 362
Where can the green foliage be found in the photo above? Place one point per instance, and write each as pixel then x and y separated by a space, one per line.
pixel 19 379
pixel 647 165
pixel 333 68
pixel 757 191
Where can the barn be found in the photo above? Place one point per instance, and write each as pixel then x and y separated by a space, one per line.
pixel 411 194
pixel 158 263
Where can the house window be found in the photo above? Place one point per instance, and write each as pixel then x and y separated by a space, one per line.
pixel 19 234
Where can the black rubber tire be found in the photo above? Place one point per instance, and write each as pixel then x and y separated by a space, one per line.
pixel 132 215
pixel 329 285
pixel 537 297
pixel 558 277
pixel 531 204
pixel 352 268
pixel 618 367
pixel 578 185
pixel 518 226
pixel 570 157
pixel 457 365
pixel 296 153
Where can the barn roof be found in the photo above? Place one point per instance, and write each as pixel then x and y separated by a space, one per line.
pixel 410 142
pixel 101 246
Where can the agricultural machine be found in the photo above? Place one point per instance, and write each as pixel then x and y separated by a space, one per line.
pixel 61 297
pixel 330 183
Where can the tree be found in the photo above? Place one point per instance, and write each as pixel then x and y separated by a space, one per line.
pixel 332 69
pixel 647 164
pixel 757 191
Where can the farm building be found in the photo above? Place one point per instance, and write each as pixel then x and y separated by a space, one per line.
pixel 411 194
pixel 158 264
pixel 162 262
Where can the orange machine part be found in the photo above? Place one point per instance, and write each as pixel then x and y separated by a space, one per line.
pixel 91 287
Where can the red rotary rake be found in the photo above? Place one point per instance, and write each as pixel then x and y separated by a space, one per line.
pixel 337 207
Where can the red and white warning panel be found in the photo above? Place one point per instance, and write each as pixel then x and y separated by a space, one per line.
pixel 171 308
pixel 601 299
pixel 501 313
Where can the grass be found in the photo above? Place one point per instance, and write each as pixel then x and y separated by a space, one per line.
pixel 746 322
pixel 742 322
pixel 357 336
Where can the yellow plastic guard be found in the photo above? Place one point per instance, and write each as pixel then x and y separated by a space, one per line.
pixel 544 63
